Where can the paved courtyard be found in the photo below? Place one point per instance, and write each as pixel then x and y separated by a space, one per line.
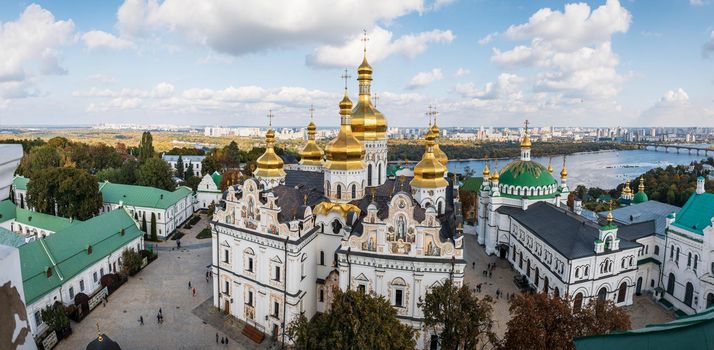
pixel 162 284
pixel 644 311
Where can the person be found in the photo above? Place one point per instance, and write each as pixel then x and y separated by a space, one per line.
pixel 216 337
pixel 473 265
pixel 158 318
pixel 141 320
pixel 160 311
pixel 226 340
pixel 194 291
pixel 223 340
pixel 189 284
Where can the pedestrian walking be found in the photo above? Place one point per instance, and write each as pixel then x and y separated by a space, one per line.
pixel 473 265
pixel 223 340
pixel 216 338
pixel 158 318
pixel 160 313
pixel 194 292
pixel 490 273
pixel 189 284
pixel 226 341
pixel 141 320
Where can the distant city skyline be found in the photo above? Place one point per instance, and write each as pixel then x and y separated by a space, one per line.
pixel 600 63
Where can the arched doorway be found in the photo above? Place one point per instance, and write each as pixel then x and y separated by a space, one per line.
pixel 670 284
pixel 689 294
pixel 602 294
pixel 578 301
pixel 710 300
pixel 622 293
pixel 638 290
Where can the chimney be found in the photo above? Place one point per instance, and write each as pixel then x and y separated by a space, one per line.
pixel 700 185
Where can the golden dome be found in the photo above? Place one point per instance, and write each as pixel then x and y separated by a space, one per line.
pixel 429 172
pixel 311 154
pixel 438 153
pixel 345 152
pixel 550 165
pixel 269 164
pixel 368 124
pixel 627 188
pixel 486 172
pixel 641 187
pixel 564 172
pixel 526 143
pixel 495 175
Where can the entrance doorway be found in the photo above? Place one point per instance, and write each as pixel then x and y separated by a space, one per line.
pixel 638 290
pixel 227 307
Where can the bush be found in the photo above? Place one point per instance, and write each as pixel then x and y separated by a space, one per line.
pixel 205 233
pixel 132 261
pixel 187 226
pixel 177 235
pixel 194 220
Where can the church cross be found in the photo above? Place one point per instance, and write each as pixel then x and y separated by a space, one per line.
pixel 270 118
pixel 345 77
pixel 364 40
pixel 375 99
pixel 526 124
pixel 434 113
pixel 312 111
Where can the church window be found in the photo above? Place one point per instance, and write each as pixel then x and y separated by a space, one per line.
pixel 322 258
pixel 671 252
pixel 322 295
pixel 677 258
pixel 225 255
pixel 276 309
pixel 250 298
pixel 696 257
pixel 398 298
pixel 656 250
pixel 354 191
pixel 369 175
pixel 339 192
pixel 277 274
pixel 689 259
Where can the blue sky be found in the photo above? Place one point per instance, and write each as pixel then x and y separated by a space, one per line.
pixel 482 62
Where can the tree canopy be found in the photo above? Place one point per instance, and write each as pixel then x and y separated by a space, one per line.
pixel 67 192
pixel 355 321
pixel 146 147
pixel 155 173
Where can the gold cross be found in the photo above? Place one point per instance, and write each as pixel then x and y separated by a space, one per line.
pixel 345 77
pixel 270 118
pixel 526 123
pixel 312 111
pixel 364 40
pixel 434 113
pixel 428 114
pixel 375 99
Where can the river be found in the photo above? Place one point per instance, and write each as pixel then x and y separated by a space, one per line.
pixel 604 169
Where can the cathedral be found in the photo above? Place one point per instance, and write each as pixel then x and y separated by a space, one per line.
pixel 286 238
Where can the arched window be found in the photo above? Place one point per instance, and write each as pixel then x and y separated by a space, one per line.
pixel 354 191
pixel 514 254
pixel 545 285
pixel 577 272
pixel 535 280
pixel 671 252
pixel 379 174
pixel 622 293
pixel 670 284
pixel 439 207
pixel 339 192
pixel 578 301
pixel 327 188
pixel 587 270
pixel 401 228
pixel 369 175
pixel 688 294
pixel 656 250
pixel 528 268
pixel 677 258
pixel 602 294
pixel 689 259
pixel 322 257
pixel 696 257
pixel 710 300
pixel 520 259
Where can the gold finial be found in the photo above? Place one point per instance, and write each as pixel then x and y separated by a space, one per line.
pixel 550 165
pixel 99 333
pixel 641 188
pixel 609 214
pixel 373 191
pixel 304 199
pixel 526 143
pixel 486 171
pixel 364 40
pixel 627 188
pixel 345 76
pixel 312 111
pixel 564 172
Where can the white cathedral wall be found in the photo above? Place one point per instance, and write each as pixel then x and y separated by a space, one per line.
pixel 684 273
pixel 376 155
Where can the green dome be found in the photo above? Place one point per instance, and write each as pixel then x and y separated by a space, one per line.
pixel 640 197
pixel 528 174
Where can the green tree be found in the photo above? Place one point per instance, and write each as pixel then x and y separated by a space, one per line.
pixel 131 261
pixel 67 192
pixel 461 320
pixel 146 147
pixel 192 182
pixel 155 173
pixel 55 317
pixel 153 227
pixel 231 156
pixel 179 167
pixel 355 321
pixel 143 224
pixel 189 170
pixel 40 159
pixel 210 164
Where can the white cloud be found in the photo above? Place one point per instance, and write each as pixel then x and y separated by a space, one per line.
pixel 380 46
pixel 240 27
pixel 462 72
pixel 676 108
pixel 425 78
pixel 507 86
pixel 29 49
pixel 102 78
pixel 488 38
pixel 708 46
pixel 696 2
pixel 97 39
pixel 571 50
pixel 678 96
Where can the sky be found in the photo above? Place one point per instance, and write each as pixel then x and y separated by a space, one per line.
pixel 485 63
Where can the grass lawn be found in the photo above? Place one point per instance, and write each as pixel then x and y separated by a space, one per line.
pixel 205 233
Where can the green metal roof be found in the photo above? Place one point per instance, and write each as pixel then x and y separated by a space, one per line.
pixel 20 182
pixel 141 196
pixel 526 174
pixel 66 251
pixel 216 176
pixel 10 238
pixel 42 220
pixel 697 213
pixel 7 210
pixel 688 332
pixel 472 184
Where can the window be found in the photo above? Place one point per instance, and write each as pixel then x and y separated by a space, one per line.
pixel 81 285
pixel 322 258
pixel 225 256
pixel 361 288
pixel 689 259
pixel 339 192
pixel 226 288
pixel 95 276
pixel 354 191
pixel 322 295
pixel 277 273
pixel 250 298
pixel 276 309
pixel 38 318
pixel 302 270
pixel 671 252
pixel 158 216
pixel 398 298
pixel 101 272
pixel 71 292
pixel 677 258
pixel 696 257
pixel 656 250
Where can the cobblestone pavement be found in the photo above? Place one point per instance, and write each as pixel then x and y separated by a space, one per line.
pixel 644 310
pixel 162 284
